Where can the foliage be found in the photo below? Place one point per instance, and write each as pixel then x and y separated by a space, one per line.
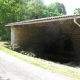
pixel 18 10
pixel 56 9
pixel 35 9
pixel 77 11
pixel 28 53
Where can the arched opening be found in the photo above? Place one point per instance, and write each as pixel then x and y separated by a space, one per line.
pixel 68 45
pixel 68 51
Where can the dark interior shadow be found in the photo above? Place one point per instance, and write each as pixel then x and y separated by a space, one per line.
pixel 49 51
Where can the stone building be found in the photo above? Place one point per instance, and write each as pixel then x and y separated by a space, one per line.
pixel 53 35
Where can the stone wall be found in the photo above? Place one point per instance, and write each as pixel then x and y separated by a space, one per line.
pixel 29 36
pixel 59 37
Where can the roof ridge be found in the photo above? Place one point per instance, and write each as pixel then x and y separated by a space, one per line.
pixel 54 18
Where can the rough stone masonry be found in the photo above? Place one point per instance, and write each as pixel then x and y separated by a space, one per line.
pixel 53 36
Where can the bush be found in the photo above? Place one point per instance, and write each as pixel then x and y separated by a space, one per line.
pixel 28 53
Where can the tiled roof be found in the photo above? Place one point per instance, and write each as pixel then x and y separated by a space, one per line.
pixel 47 19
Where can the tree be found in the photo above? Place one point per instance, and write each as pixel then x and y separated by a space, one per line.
pixel 10 11
pixel 4 19
pixel 35 9
pixel 56 9
pixel 77 11
pixel 60 7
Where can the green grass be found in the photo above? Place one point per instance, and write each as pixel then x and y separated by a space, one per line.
pixel 54 67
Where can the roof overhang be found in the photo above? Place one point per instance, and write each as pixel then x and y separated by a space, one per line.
pixel 42 20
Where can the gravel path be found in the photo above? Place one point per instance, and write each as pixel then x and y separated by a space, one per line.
pixel 12 68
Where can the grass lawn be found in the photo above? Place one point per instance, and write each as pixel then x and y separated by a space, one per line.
pixel 73 72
